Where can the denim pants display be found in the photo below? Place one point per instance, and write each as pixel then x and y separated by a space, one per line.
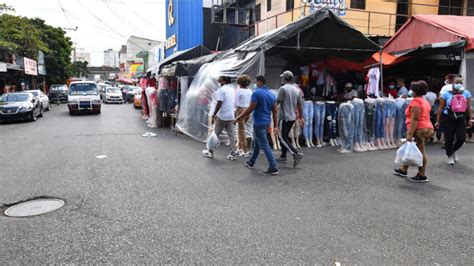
pixel 308 113
pixel 261 142
pixel 400 119
pixel 331 116
pixel 359 121
pixel 346 125
pixel 319 116
pixel 379 130
pixel 370 119
pixel 390 110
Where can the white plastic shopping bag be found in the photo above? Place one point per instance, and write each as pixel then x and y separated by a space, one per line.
pixel 409 154
pixel 213 141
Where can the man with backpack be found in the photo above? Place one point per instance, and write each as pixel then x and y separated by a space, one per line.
pixel 455 114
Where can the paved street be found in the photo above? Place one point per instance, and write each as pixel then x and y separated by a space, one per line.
pixel 156 200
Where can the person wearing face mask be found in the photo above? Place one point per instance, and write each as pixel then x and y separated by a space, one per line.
pixel 449 80
pixel 419 129
pixel 402 91
pixel 350 93
pixel 391 90
pixel 454 112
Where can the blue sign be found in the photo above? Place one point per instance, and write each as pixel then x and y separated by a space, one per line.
pixel 184 25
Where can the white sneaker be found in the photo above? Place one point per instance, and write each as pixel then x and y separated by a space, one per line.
pixel 455 157
pixel 208 153
pixel 344 151
pixel 451 160
pixel 238 152
pixel 231 157
pixel 319 146
pixel 332 142
pixel 244 154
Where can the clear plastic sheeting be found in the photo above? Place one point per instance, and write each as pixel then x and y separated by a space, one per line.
pixel 194 116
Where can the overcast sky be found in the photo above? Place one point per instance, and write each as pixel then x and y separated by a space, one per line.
pixel 102 24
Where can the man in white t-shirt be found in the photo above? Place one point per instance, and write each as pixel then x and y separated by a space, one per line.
pixel 223 116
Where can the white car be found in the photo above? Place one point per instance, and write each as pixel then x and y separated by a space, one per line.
pixel 43 98
pixel 113 95
pixel 83 97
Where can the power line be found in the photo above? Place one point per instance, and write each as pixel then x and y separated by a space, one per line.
pixel 118 16
pixel 64 13
pixel 140 17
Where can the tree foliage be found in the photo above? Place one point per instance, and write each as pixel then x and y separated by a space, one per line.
pixel 79 69
pixel 26 37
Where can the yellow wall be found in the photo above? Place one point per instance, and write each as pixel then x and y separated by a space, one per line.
pixel 380 13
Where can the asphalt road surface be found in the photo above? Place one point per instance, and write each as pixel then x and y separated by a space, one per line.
pixel 157 200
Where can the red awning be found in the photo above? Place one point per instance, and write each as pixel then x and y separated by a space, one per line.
pixel 336 64
pixel 427 29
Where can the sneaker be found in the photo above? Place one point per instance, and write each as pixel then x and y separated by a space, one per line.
pixel 400 173
pixel 319 146
pixel 231 157
pixel 281 160
pixel 455 157
pixel 271 172
pixel 208 153
pixel 238 152
pixel 244 154
pixel 248 165
pixel 344 151
pixel 418 179
pixel 451 160
pixel 297 160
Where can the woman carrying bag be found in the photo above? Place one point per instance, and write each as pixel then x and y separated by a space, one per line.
pixel 420 129
pixel 455 114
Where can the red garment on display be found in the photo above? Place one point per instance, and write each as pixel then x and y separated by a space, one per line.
pixel 151 82
pixel 393 92
pixel 143 82
pixel 144 103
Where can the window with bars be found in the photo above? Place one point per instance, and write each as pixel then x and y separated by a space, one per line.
pixel 451 7
pixel 470 8
pixel 358 4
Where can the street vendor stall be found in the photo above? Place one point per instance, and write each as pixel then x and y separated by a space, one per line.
pixel 296 46
pixel 436 45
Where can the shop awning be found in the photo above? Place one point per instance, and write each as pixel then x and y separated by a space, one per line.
pixel 336 64
pixel 191 53
pixel 428 49
pixel 321 34
pixel 187 67
pixel 423 30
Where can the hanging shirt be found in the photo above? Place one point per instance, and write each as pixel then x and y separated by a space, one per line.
pixel 373 77
pixel 225 94
pixel 424 120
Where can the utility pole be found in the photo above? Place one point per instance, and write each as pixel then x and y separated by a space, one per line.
pixel 72 29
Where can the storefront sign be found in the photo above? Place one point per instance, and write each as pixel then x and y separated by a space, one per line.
pixel 30 67
pixel 171 41
pixel 3 67
pixel 42 70
pixel 170 13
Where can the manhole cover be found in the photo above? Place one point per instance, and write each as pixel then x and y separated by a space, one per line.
pixel 34 207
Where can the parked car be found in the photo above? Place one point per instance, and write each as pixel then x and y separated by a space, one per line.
pixel 20 106
pixel 83 97
pixel 113 95
pixel 44 100
pixel 128 92
pixel 58 93
pixel 137 99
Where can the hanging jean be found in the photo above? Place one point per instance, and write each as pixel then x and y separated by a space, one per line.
pixel 359 121
pixel 331 116
pixel 404 127
pixel 370 119
pixel 379 119
pixel 308 113
pixel 346 125
pixel 399 119
pixel 319 115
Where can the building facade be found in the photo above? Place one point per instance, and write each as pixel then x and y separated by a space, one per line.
pixel 141 54
pixel 215 24
pixel 372 17
pixel 111 58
